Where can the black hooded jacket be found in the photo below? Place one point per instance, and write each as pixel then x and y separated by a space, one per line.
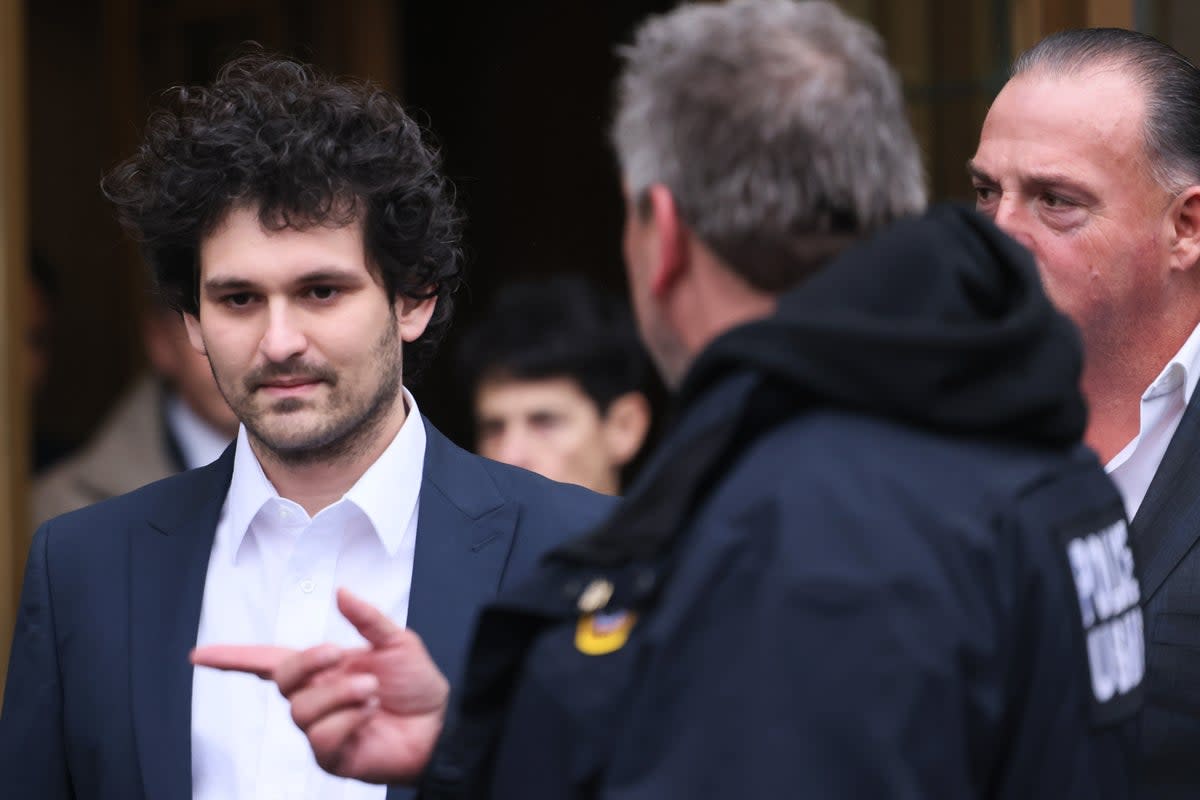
pixel 871 559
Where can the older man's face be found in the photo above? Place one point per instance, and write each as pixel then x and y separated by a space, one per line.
pixel 1062 167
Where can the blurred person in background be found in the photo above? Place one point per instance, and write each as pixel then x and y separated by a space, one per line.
pixel 173 418
pixel 558 382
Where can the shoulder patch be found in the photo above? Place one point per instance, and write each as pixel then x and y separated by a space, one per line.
pixel 1102 570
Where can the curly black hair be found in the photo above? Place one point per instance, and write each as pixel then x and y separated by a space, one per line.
pixel 306 149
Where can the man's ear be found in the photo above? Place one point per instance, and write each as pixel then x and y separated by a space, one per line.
pixel 626 424
pixel 192 323
pixel 1185 229
pixel 413 314
pixel 671 242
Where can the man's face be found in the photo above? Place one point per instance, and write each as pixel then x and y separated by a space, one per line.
pixel 549 426
pixel 302 338
pixel 1061 167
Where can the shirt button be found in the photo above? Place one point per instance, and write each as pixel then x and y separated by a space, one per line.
pixel 307 585
pixel 284 513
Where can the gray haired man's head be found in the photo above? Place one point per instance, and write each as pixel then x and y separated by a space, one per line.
pixel 778 127
pixel 1170 83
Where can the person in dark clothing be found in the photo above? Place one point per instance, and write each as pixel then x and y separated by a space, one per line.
pixel 871 558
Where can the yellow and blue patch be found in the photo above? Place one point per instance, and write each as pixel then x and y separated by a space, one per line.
pixel 599 634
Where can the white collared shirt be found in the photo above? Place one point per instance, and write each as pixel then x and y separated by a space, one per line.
pixel 199 443
pixel 271 579
pixel 1163 404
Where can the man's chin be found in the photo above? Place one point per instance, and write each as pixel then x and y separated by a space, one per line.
pixel 289 405
pixel 297 447
pixel 287 427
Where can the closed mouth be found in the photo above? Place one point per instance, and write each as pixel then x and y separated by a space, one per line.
pixel 288 383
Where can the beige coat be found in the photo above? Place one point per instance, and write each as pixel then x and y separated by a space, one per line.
pixel 127 452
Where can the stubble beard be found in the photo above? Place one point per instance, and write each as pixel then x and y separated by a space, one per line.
pixel 349 428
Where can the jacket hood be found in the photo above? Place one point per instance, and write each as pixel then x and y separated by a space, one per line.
pixel 939 322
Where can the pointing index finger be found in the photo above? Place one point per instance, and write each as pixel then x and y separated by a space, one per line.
pixel 260 660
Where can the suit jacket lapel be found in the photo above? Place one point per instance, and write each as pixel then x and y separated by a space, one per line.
pixel 168 564
pixel 464 533
pixel 465 529
pixel 1167 523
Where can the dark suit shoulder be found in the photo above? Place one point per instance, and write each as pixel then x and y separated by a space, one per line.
pixel 477 485
pixel 551 513
pixel 547 513
pixel 552 499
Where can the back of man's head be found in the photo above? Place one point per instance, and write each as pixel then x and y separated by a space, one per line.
pixel 778 127
pixel 1171 86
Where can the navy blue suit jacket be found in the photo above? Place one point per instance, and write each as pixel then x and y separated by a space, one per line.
pixel 1166 529
pixel 99 695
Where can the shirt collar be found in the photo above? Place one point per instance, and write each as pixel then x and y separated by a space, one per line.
pixel 1181 372
pixel 200 442
pixel 387 492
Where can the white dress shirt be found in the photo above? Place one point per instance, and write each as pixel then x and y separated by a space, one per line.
pixel 271 579
pixel 199 443
pixel 1163 404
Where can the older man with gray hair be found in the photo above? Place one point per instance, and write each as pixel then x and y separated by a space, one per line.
pixel 871 559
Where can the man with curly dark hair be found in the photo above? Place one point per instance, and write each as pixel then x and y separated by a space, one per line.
pixel 303 228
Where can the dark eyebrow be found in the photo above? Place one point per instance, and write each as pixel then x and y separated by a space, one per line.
pixel 1040 180
pixel 328 275
pixel 1061 181
pixel 218 284
pixel 1051 179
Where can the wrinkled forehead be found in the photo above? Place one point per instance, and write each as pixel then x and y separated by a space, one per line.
pixel 1105 103
pixel 1077 122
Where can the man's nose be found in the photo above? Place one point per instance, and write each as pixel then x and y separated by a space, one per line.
pixel 283 337
pixel 1013 218
pixel 515 449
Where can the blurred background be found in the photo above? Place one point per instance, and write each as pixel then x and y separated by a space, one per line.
pixel 517 95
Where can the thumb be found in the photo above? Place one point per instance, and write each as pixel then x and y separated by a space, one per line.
pixel 373 624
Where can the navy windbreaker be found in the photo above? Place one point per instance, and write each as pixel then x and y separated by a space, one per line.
pixel 872 560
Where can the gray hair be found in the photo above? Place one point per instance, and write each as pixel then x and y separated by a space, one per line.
pixel 778 126
pixel 1170 83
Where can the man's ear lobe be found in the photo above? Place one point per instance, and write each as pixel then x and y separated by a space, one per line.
pixel 626 424
pixel 672 242
pixel 413 314
pixel 1185 221
pixel 192 323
